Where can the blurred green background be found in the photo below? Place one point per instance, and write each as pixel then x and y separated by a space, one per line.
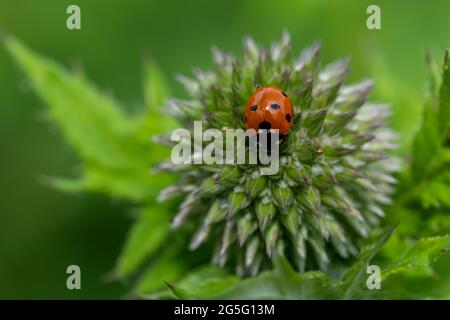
pixel 42 231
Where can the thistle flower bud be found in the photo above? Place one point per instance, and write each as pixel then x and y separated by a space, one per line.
pixel 334 174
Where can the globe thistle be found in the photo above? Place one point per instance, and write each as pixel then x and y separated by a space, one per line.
pixel 334 174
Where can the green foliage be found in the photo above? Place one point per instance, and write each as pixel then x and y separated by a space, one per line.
pixel 116 158
pixel 116 153
pixel 422 203
pixel 144 238
pixel 115 148
pixel 420 257
pixel 164 268
pixel 205 282
pixel 285 283
pixel 430 170
pixel 353 281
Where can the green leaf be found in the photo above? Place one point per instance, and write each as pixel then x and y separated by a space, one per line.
pixel 427 182
pixel 179 293
pixel 444 99
pixel 115 150
pixel 420 257
pixel 427 143
pixel 439 222
pixel 201 283
pixel 155 87
pixel 156 92
pixel 409 277
pixel 283 282
pixel 435 193
pixel 429 140
pixel 144 238
pixel 164 268
pixel 265 285
pixel 353 282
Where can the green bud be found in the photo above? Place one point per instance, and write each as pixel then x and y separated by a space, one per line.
pixel 319 250
pixel 325 94
pixel 254 187
pixel 229 176
pixel 334 72
pixel 237 200
pixel 300 175
pixel 319 224
pixel 200 236
pixel 184 212
pixel 323 176
pixel 245 227
pixel 339 122
pixel 345 174
pixel 313 121
pixel 282 195
pixel 216 213
pixel 265 211
pixel 227 239
pixel 251 250
pixel 256 265
pixel 337 151
pixel 345 205
pixel 308 150
pixel 340 245
pixel 368 185
pixel 310 198
pixel 209 186
pixel 372 156
pixel 355 95
pixel 191 86
pixel 291 220
pixel 332 93
pixel 251 50
pixel 360 139
pixel 309 59
pixel 271 238
pixel 302 95
pixel 300 245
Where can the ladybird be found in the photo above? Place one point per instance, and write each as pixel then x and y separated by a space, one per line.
pixel 269 108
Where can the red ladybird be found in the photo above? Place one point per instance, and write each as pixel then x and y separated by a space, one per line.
pixel 269 108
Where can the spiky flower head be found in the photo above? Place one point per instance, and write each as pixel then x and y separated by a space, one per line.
pixel 334 172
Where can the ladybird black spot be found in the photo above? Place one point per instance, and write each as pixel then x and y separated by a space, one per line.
pixel 265 125
pixel 288 117
pixel 245 119
pixel 253 107
pixel 275 106
pixel 284 94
